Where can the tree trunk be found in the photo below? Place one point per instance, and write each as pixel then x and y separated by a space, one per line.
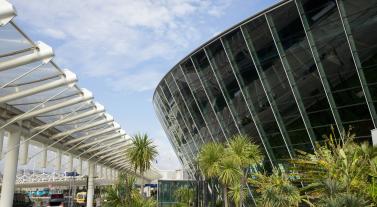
pixel 225 196
pixel 214 193
pixel 243 181
pixel 142 185
pixel 241 189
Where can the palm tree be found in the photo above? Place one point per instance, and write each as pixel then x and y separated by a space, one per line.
pixel 245 153
pixel 229 164
pixel 141 154
pixel 229 174
pixel 237 193
pixel 209 158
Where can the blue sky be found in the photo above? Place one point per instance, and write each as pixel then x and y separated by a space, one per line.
pixel 120 49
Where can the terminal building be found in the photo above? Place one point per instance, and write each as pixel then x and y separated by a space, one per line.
pixel 284 77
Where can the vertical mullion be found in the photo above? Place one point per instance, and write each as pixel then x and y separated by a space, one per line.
pixel 196 102
pixel 177 133
pixel 166 128
pixel 250 106
pixel 267 90
pixel 231 109
pixel 174 146
pixel 178 124
pixel 321 71
pixel 179 111
pixel 209 100
pixel 183 150
pixel 176 104
pixel 211 64
pixel 289 73
pixel 356 60
pixel 184 101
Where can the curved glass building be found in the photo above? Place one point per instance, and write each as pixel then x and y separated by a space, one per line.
pixel 283 77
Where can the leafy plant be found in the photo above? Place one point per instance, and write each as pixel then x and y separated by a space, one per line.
pixel 124 194
pixel 338 172
pixel 276 190
pixel 185 196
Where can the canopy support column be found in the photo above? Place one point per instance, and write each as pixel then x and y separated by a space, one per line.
pixel 59 161
pixel 79 171
pixel 44 157
pixel 25 152
pixel 70 164
pixel 90 193
pixel 9 177
pixel 2 135
pixel 101 171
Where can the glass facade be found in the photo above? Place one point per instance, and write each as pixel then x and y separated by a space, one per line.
pixel 166 195
pixel 282 77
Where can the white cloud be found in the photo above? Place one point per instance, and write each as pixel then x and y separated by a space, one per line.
pixel 57 34
pixel 128 43
pixel 138 82
pixel 107 38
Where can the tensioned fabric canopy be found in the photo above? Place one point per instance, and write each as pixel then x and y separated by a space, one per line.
pixel 47 104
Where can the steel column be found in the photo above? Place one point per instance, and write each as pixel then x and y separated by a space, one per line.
pixel 356 60
pixel 44 156
pixel 173 136
pixel 79 170
pixel 182 115
pixel 196 101
pixel 268 92
pixel 10 171
pixel 291 80
pixel 59 160
pixel 318 63
pixel 25 152
pixel 2 135
pixel 213 69
pixel 90 193
pixel 250 106
pixel 209 100
pixel 186 106
pixel 180 128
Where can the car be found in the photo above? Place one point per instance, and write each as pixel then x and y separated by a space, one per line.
pixel 81 199
pixel 22 200
pixel 56 200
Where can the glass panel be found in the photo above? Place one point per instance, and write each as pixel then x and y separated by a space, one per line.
pixel 214 93
pixel 183 116
pixel 361 16
pixel 173 126
pixel 276 78
pixel 336 58
pixel 253 90
pixel 200 96
pixel 191 104
pixel 167 189
pixel 232 92
pixel 292 37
